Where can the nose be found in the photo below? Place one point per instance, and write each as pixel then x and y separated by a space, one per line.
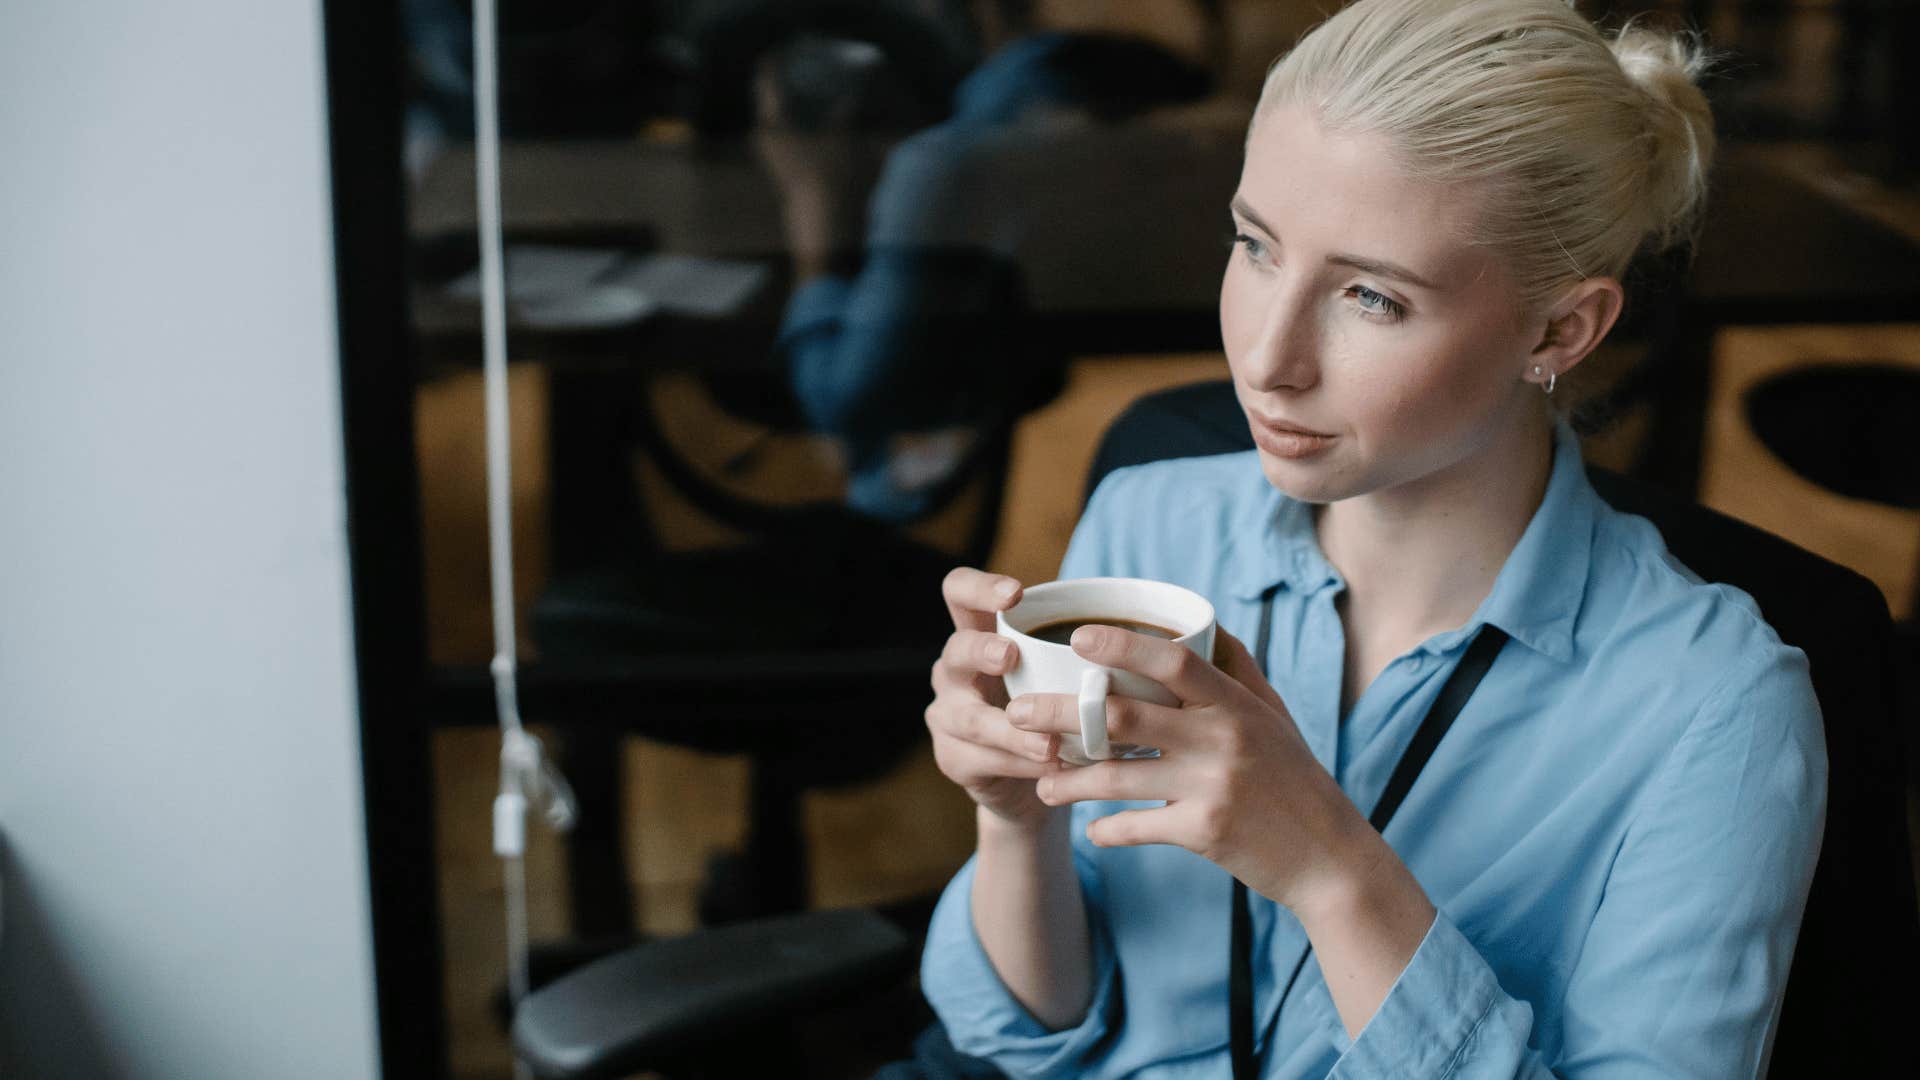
pixel 1286 353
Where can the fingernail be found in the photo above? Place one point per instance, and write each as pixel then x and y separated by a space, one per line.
pixel 1019 711
pixel 1001 652
pixel 1040 747
pixel 1006 589
pixel 1089 638
pixel 1043 787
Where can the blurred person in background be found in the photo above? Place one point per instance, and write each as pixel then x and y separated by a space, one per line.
pixel 904 345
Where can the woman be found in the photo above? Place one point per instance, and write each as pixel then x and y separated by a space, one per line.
pixel 1602 867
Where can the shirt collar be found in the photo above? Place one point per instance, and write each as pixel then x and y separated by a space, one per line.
pixel 1535 598
pixel 1273 545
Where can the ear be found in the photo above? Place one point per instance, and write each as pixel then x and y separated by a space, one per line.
pixel 1575 326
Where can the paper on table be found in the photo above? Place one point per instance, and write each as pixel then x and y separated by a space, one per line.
pixel 542 272
pixel 560 287
pixel 593 308
pixel 691 284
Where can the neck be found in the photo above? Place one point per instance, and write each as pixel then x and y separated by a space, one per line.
pixel 1420 557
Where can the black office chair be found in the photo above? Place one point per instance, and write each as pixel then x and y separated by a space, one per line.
pixel 639 1009
pixel 816 587
pixel 819 593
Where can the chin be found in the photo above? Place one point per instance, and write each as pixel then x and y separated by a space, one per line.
pixel 1307 482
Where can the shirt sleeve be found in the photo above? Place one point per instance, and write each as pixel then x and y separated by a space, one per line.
pixel 918 340
pixel 982 1017
pixel 1685 963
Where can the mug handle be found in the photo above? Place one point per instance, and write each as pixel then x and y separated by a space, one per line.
pixel 1094 687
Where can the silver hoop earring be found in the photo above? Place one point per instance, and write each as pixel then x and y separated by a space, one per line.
pixel 1552 377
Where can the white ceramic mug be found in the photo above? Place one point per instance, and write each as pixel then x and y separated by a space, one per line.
pixel 1049 668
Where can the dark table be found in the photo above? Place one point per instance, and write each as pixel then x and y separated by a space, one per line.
pixel 1122 230
pixel 1123 241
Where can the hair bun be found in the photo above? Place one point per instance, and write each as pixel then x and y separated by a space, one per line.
pixel 1590 147
pixel 1667 68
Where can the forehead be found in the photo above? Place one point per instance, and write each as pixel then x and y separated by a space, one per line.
pixel 1348 193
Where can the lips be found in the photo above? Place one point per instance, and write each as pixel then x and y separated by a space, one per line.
pixel 1284 428
pixel 1287 441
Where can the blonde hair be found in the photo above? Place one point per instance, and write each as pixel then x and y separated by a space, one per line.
pixel 1589 148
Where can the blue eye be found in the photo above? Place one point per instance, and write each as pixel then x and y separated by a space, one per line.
pixel 1255 249
pixel 1376 303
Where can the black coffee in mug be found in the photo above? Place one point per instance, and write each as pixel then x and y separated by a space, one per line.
pixel 1060 631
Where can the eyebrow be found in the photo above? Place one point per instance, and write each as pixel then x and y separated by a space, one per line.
pixel 1359 262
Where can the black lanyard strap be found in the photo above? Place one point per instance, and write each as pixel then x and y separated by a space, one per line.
pixel 1453 697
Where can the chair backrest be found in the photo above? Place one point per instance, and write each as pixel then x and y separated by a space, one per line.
pixel 1850 998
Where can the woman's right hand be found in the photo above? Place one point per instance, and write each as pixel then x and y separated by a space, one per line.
pixel 993 761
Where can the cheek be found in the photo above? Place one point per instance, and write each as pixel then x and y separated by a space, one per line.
pixel 1239 322
pixel 1430 387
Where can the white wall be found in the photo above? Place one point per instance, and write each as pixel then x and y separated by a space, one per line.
pixel 186 888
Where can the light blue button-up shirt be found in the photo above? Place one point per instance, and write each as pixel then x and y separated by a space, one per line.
pixel 1619 831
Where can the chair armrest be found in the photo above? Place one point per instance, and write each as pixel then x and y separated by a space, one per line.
pixel 629 1011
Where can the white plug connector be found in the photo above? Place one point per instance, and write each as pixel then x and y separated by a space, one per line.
pixel 509 824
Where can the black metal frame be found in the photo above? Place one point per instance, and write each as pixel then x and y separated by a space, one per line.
pixel 364 66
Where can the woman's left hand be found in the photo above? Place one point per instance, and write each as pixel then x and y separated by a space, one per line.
pixel 1240 785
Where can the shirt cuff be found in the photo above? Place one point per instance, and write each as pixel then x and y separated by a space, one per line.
pixel 1433 1009
pixel 983 1019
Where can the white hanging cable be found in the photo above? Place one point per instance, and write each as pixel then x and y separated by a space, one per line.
pixel 525 773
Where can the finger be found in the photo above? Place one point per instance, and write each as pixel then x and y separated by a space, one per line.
pixel 974 595
pixel 945 680
pixel 967 763
pixel 1108 781
pixel 979 652
pixel 1192 680
pixel 981 724
pixel 1129 720
pixel 1054 713
pixel 1232 656
pixel 1130 828
pixel 950 681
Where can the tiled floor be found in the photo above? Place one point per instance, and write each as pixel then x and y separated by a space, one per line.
pixel 904 834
